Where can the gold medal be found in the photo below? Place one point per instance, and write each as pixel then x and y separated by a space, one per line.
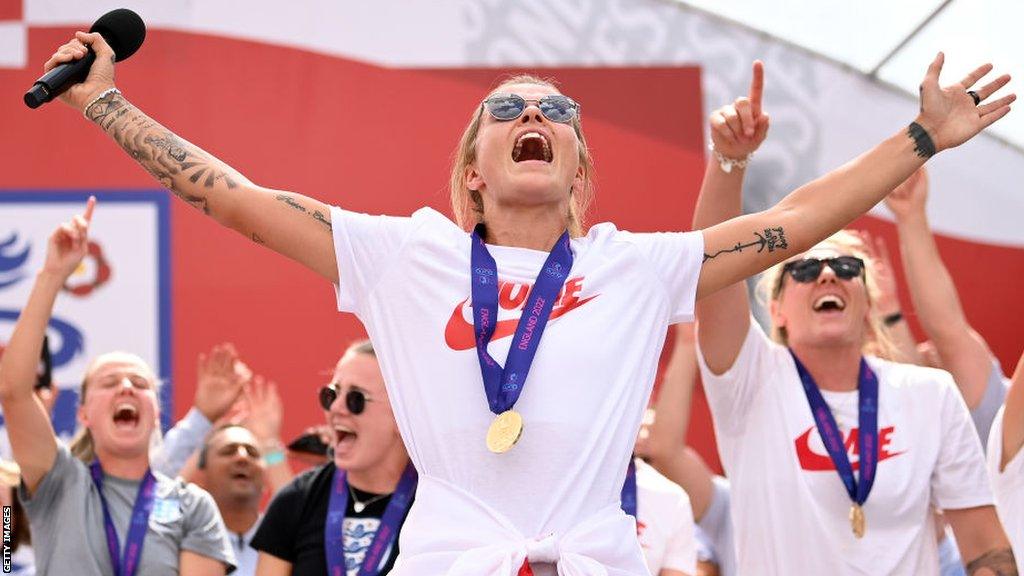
pixel 504 431
pixel 857 521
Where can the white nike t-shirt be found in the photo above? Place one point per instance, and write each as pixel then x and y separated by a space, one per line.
pixel 1008 486
pixel 790 508
pixel 555 496
pixel 664 522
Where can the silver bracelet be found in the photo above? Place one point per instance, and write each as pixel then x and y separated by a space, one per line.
pixel 727 163
pixel 106 92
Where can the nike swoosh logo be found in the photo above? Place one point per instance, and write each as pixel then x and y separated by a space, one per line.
pixel 814 462
pixel 458 334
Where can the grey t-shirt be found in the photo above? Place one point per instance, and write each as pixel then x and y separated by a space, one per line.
pixel 995 393
pixel 66 517
pixel 715 528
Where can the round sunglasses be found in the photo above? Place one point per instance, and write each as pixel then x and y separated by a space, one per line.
pixel 355 399
pixel 554 107
pixel 808 269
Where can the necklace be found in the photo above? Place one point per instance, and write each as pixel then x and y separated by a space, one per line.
pixel 360 506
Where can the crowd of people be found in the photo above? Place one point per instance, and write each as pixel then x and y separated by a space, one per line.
pixel 847 447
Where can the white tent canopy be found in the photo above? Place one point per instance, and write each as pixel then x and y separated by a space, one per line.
pixel 894 41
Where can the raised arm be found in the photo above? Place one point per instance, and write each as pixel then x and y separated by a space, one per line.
pixel 962 351
pixel 744 246
pixel 737 130
pixel 28 423
pixel 291 224
pixel 1013 417
pixel 888 304
pixel 665 444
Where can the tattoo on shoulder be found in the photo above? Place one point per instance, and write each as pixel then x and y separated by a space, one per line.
pixel 771 239
pixel 999 562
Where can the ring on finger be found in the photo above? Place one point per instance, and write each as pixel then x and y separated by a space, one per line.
pixel 974 96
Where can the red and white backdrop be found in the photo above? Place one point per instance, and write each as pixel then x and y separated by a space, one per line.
pixel 361 105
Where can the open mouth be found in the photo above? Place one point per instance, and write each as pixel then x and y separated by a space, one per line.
pixel 344 437
pixel 241 475
pixel 829 303
pixel 532 146
pixel 126 416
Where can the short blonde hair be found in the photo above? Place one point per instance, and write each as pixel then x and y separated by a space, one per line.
pixel 468 205
pixel 879 342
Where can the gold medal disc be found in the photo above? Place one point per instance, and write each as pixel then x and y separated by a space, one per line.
pixel 857 520
pixel 504 431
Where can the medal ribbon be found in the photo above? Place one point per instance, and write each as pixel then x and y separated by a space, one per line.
pixel 129 564
pixel 387 532
pixel 832 438
pixel 629 490
pixel 504 385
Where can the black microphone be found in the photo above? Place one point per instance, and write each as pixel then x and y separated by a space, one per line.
pixel 123 30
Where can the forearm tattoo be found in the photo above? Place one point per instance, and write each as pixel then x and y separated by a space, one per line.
pixel 999 562
pixel 771 239
pixel 184 169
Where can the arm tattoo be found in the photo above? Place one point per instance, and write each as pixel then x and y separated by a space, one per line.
pixel 187 171
pixel 256 238
pixel 773 239
pixel 999 562
pixel 319 217
pixel 315 215
pixel 290 202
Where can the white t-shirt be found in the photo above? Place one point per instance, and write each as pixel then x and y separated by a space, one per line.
pixel 664 522
pixel 555 495
pixel 1008 487
pixel 790 508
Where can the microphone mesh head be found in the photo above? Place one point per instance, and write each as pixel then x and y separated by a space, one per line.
pixel 123 29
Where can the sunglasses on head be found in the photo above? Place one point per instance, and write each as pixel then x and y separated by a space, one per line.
pixel 355 399
pixel 808 269
pixel 554 107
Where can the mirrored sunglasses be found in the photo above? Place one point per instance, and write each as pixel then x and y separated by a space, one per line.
pixel 554 107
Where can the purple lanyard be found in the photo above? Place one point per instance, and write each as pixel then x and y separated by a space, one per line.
pixel 136 530
pixel 387 532
pixel 832 438
pixel 503 385
pixel 629 490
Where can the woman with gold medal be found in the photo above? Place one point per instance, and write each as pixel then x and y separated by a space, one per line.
pixel 835 456
pixel 543 495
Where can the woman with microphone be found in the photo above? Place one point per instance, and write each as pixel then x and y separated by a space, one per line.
pixel 521 442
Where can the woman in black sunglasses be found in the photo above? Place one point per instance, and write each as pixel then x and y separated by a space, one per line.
pixel 515 477
pixel 836 457
pixel 366 486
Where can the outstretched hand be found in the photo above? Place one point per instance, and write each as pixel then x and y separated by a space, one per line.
pixel 910 197
pixel 949 114
pixel 69 243
pixel 221 377
pixel 738 129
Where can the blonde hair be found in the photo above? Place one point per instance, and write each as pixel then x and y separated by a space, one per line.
pixel 82 445
pixel 879 342
pixel 468 205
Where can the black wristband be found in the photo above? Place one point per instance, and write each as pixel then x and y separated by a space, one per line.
pixel 923 144
pixel 892 319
